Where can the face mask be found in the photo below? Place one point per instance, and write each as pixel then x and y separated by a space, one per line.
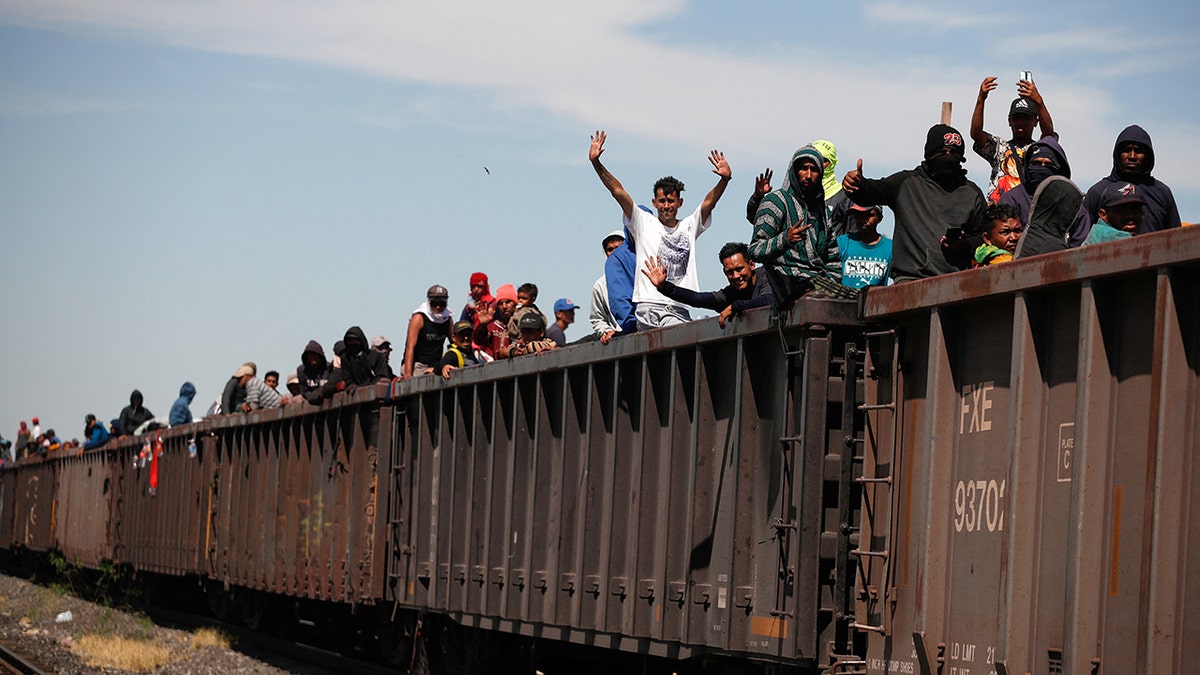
pixel 1034 175
pixel 943 166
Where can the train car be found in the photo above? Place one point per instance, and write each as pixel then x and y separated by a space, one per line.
pixel 1030 500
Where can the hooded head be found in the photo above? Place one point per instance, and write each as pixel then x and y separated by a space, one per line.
pixel 1043 159
pixel 135 399
pixel 355 340
pixel 944 153
pixel 804 172
pixel 1133 154
pixel 313 358
pixel 829 180
pixel 188 391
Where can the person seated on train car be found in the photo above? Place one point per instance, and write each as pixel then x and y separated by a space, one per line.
pixel 564 316
pixel 791 231
pixel 748 287
pixel 313 371
pixel 835 197
pixel 95 433
pixel 1122 214
pixel 866 255
pixel 234 393
pixel 531 340
pixel 461 353
pixel 181 413
pixel 428 328
pixel 1133 160
pixel 527 295
pixel 133 415
pixel 480 293
pixel 620 273
pixel 604 323
pixel 1055 207
pixel 361 366
pixel 293 387
pixel 938 211
pixel 491 331
pixel 1044 159
pixel 668 237
pixel 260 395
pixel 1001 237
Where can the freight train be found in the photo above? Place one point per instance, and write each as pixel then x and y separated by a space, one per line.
pixel 985 472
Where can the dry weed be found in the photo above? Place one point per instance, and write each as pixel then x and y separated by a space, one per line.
pixel 209 637
pixel 112 651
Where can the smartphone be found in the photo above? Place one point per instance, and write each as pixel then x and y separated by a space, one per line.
pixel 1026 75
pixel 953 233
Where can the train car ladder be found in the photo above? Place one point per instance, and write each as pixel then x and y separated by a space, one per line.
pixel 876 545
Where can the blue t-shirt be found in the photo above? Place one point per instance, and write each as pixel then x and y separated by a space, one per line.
pixel 1102 232
pixel 862 264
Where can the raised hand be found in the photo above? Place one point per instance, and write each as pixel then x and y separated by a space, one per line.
pixel 720 166
pixel 988 84
pixel 597 148
pixel 1029 90
pixel 853 179
pixel 655 272
pixel 484 313
pixel 762 184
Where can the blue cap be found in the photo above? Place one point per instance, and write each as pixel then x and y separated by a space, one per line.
pixel 563 304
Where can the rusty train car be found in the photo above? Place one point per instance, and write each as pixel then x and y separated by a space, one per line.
pixel 986 472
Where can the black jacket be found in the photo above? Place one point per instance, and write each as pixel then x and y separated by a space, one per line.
pixel 924 209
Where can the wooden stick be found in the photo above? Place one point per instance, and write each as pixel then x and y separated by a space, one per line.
pixel 946 105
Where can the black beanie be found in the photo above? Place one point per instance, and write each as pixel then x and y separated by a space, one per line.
pixel 944 136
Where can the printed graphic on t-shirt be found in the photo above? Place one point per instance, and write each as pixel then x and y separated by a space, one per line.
pixel 872 269
pixel 674 251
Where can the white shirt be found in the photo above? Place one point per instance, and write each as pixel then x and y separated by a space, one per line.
pixel 674 246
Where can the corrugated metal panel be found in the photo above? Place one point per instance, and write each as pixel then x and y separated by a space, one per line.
pixel 293 499
pixel 1042 457
pixel 634 496
pixel 84 501
pixel 33 525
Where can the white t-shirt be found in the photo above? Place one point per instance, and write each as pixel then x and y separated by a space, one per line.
pixel 675 246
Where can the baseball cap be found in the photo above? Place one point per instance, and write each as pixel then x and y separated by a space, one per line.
pixel 463 326
pixel 1121 193
pixel 564 304
pixel 437 291
pixel 531 320
pixel 1023 106
pixel 380 341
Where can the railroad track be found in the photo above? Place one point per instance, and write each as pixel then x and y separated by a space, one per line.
pixel 15 664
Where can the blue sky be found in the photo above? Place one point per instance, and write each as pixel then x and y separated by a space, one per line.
pixel 186 186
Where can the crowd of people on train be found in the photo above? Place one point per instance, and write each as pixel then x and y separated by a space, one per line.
pixel 813 234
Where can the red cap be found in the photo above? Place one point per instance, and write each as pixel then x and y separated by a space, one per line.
pixel 479 278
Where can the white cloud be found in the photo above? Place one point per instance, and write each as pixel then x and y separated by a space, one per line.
pixel 964 15
pixel 581 63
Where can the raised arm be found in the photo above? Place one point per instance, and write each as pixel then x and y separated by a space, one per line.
pixel 614 186
pixel 721 168
pixel 1030 91
pixel 978 135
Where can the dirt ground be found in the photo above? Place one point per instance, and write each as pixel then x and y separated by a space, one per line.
pixel 29 624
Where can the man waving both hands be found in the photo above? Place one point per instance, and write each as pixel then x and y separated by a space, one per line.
pixel 667 237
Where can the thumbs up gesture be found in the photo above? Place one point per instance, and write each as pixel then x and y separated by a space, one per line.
pixel 853 179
